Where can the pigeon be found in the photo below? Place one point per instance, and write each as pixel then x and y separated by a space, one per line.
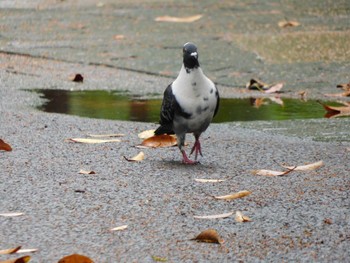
pixel 189 103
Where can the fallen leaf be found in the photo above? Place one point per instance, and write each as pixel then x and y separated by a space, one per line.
pixel 241 218
pixel 327 221
pixel 336 111
pixel 87 140
pixel 159 259
pixel 146 134
pixel 239 194
pixel 27 250
pixel 9 250
pixel 343 94
pixel 119 228
pixel 119 37
pixel 11 214
pixel 270 172
pixel 255 84
pixel 77 78
pixel 209 236
pixel 75 258
pixel 288 23
pixel 225 215
pixel 344 86
pixel 274 88
pixel 137 158
pixel 187 19
pixel 308 167
pixel 277 100
pixel 107 135
pixel 24 259
pixel 4 146
pixel 86 172
pixel 163 140
pixel 209 180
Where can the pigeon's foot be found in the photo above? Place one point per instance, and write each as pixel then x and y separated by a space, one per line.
pixel 186 160
pixel 196 149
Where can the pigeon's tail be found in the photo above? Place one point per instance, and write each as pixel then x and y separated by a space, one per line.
pixel 164 130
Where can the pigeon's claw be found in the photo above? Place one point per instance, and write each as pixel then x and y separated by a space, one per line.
pixel 196 149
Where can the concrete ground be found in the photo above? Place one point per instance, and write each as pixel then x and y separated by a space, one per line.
pixel 117 45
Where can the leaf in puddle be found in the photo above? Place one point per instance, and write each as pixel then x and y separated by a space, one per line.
pixel 163 140
pixel 5 146
pixel 225 215
pixel 107 135
pixel 274 88
pixel 202 180
pixel 336 111
pixel 288 23
pixel 137 158
pixel 146 134
pixel 11 214
pixel 87 140
pixel 187 19
pixel 239 194
pixel 239 217
pixel 24 259
pixel 307 167
pixel 75 258
pixel 9 250
pixel 264 172
pixel 119 228
pixel 209 236
pixel 86 172
pixel 77 78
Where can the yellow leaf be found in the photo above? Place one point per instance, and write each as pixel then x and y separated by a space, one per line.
pixel 241 218
pixel 163 140
pixel 215 216
pixel 87 140
pixel 187 19
pixel 137 158
pixel 308 167
pixel 119 228
pixel 10 250
pixel 146 134
pixel 209 236
pixel 209 180
pixel 75 258
pixel 239 194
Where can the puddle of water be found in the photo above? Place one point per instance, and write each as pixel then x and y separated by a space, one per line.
pixel 120 106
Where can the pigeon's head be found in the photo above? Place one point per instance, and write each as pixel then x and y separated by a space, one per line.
pixel 190 56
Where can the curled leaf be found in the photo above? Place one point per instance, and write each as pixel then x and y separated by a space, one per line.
pixel 163 140
pixel 307 167
pixel 11 214
pixel 225 215
pixel 107 135
pixel 119 228
pixel 241 218
pixel 209 236
pixel 9 250
pixel 337 111
pixel 146 134
pixel 24 259
pixel 86 172
pixel 255 84
pixel 187 19
pixel 27 250
pixel 264 172
pixel 137 158
pixel 88 140
pixel 239 194
pixel 274 88
pixel 5 146
pixel 288 23
pixel 344 86
pixel 75 258
pixel 202 180
pixel 77 78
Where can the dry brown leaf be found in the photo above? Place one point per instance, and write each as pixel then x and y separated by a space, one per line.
pixel 209 236
pixel 119 37
pixel 277 100
pixel 274 88
pixel 24 259
pixel 146 134
pixel 27 250
pixel 343 94
pixel 75 258
pixel 307 167
pixel 11 214
pixel 344 86
pixel 255 84
pixel 202 180
pixel 225 215
pixel 288 23
pixel 270 172
pixel 10 250
pixel 5 146
pixel 239 217
pixel 87 140
pixel 86 172
pixel 173 19
pixel 337 111
pixel 107 135
pixel 239 194
pixel 77 78
pixel 163 140
pixel 137 158
pixel 119 228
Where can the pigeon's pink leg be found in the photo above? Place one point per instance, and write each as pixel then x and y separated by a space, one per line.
pixel 196 148
pixel 185 159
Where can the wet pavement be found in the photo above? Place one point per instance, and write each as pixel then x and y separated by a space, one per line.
pixel 118 46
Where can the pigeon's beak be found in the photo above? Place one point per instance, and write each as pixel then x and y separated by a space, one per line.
pixel 194 54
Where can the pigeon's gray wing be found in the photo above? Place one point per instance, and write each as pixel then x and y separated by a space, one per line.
pixel 217 102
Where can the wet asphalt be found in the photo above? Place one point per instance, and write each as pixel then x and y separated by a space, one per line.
pixel 300 217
